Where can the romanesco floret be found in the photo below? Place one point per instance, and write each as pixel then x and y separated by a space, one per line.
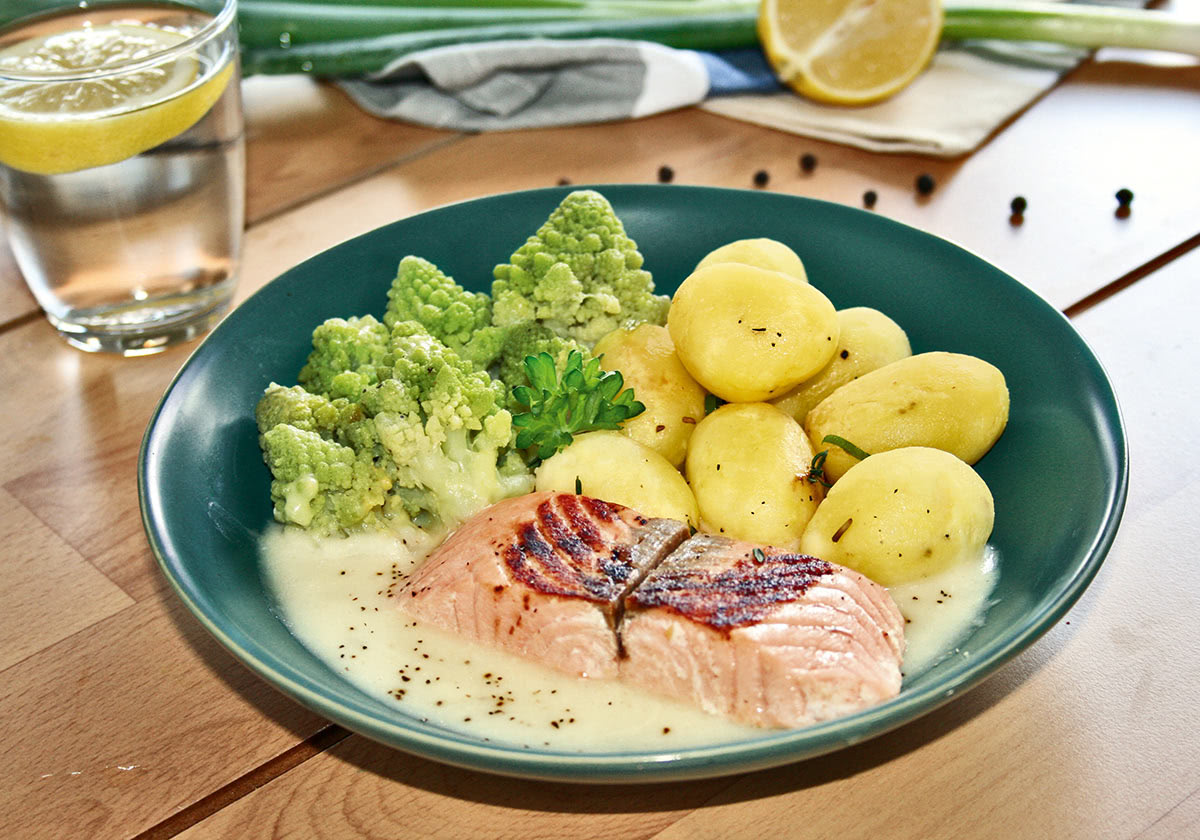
pixel 310 412
pixel 447 452
pixel 320 484
pixel 580 275
pixel 422 293
pixel 348 355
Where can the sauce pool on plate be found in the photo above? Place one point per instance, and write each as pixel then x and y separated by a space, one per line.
pixel 337 597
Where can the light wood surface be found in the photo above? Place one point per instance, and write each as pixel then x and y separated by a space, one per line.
pixel 123 718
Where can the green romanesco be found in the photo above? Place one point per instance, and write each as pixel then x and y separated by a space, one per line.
pixel 422 293
pixel 347 356
pixel 449 448
pixel 425 438
pixel 580 275
pixel 320 484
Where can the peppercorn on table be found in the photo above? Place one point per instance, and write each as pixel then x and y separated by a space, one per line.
pixel 124 718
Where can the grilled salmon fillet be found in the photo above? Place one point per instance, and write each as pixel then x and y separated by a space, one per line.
pixel 543 576
pixel 765 636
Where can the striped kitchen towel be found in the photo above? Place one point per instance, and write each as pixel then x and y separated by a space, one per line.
pixel 966 93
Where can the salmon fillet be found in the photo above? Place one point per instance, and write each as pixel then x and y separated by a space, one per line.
pixel 768 637
pixel 543 576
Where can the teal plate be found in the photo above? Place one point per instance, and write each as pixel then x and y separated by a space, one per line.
pixel 1059 474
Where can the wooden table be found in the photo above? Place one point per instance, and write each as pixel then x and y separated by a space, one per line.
pixel 122 718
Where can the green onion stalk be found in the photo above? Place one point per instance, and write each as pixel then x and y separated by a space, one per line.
pixel 356 37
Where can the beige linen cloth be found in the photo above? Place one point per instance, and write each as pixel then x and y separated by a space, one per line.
pixel 967 93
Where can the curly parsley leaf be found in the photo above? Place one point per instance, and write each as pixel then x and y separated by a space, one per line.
pixel 584 399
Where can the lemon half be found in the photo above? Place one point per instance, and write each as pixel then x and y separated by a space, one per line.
pixel 849 52
pixel 50 127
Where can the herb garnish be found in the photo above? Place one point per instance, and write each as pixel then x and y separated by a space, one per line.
pixel 816 468
pixel 584 399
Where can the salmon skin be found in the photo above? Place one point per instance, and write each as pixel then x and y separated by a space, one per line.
pixel 765 636
pixel 595 589
pixel 543 576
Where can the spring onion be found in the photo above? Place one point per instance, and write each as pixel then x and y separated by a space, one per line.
pixel 1076 24
pixel 355 37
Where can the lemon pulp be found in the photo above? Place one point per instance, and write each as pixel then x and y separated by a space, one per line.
pixel 849 52
pixel 49 127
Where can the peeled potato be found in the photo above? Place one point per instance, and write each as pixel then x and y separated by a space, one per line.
pixel 746 464
pixel 902 515
pixel 674 401
pixel 762 253
pixel 946 401
pixel 616 468
pixel 869 340
pixel 749 334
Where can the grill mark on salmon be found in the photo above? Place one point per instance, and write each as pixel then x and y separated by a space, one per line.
pixel 728 597
pixel 543 576
pixel 580 522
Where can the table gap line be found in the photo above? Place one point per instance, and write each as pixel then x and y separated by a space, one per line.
pixel 1128 279
pixel 245 784
pixel 20 320
pixel 1165 814
pixel 358 178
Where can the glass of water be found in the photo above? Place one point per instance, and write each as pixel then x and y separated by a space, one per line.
pixel 122 167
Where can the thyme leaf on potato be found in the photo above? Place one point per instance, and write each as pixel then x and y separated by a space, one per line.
pixel 816 468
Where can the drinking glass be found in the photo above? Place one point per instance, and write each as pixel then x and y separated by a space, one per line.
pixel 122 167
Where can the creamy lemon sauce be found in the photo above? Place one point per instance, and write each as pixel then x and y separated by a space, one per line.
pixel 940 611
pixel 336 597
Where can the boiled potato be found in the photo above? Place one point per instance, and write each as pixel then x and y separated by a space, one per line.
pixel 902 515
pixel 746 464
pixel 674 401
pixel 869 340
pixel 763 253
pixel 749 334
pixel 616 468
pixel 944 400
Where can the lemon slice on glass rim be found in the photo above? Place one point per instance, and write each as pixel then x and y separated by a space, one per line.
pixel 97 95
pixel 849 52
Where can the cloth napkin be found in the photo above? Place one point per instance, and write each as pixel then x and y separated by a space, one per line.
pixel 968 91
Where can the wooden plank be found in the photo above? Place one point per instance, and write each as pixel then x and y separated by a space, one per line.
pixel 360 789
pixel 305 138
pixel 50 591
pixel 116 728
pixel 1093 732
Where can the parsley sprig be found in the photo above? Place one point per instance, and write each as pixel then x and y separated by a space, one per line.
pixel 584 399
